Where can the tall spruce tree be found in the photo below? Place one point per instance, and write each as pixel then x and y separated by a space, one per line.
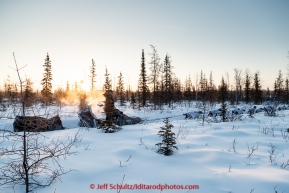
pixel 223 96
pixel 169 141
pixel 142 84
pixel 167 80
pixel 92 76
pixel 257 92
pixel 46 82
pixel 120 90
pixel 247 88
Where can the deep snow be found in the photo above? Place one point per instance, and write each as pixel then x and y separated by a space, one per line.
pixel 205 156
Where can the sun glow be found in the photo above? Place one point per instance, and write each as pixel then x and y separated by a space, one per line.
pixel 85 86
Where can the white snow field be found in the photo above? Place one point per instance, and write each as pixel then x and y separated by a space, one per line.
pixel 205 159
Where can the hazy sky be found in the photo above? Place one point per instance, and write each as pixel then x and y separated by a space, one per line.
pixel 206 35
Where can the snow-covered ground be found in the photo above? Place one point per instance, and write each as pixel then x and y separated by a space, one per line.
pixel 205 156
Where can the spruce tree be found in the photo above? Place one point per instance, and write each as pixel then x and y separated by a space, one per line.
pixel 109 102
pixel 168 143
pixel 247 89
pixel 133 100
pixel 28 97
pixel 223 96
pixel 92 76
pixel 46 82
pixel 108 126
pixel 120 90
pixel 167 80
pixel 257 92
pixel 142 84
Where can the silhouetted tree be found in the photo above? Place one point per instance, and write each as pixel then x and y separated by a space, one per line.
pixel 120 89
pixel 29 96
pixel 223 96
pixel 133 100
pixel 109 103
pixel 46 82
pixel 167 80
pixel 108 126
pixel 92 76
pixel 247 88
pixel 142 83
pixel 256 91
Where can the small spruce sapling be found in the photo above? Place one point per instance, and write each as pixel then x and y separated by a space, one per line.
pixel 168 142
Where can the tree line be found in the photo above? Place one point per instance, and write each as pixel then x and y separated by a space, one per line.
pixel 157 86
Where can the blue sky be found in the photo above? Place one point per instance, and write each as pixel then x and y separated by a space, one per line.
pixel 215 36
